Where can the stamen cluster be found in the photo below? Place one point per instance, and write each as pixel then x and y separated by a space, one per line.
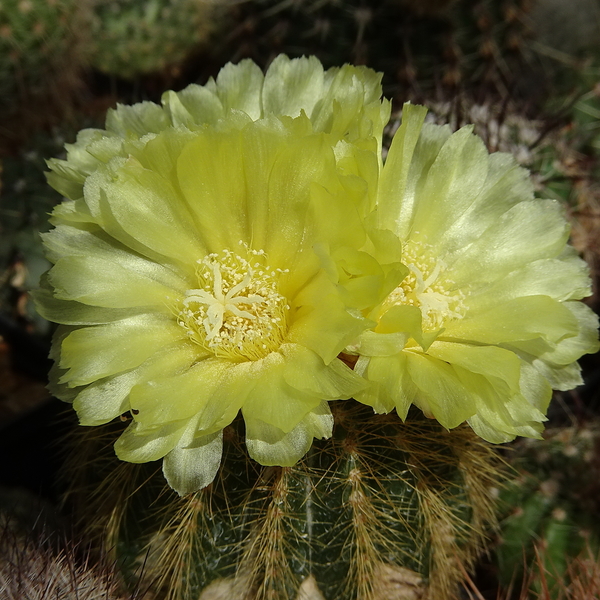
pixel 237 311
pixel 426 287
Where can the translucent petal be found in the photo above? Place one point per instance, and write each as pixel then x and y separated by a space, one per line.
pixel 139 119
pixel 86 240
pixel 306 371
pixel 177 396
pixel 393 387
pixel 350 105
pixel 191 468
pixel 292 85
pixel 441 389
pixel 406 319
pixel 269 445
pixel 138 446
pixel 103 400
pixel 506 185
pixel 215 200
pixel 272 400
pixel 240 87
pixel 92 280
pixel 91 353
pixel 146 207
pixel 453 184
pixel 490 361
pixel 371 343
pixel 559 279
pixel 523 318
pixel 526 232
pixel 395 212
pixel 193 106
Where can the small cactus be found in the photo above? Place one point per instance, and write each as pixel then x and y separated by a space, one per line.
pixel 382 506
pixel 130 38
pixel 39 58
pixel 550 505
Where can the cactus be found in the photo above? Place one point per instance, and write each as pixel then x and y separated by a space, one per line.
pixel 39 59
pixel 37 559
pixel 550 506
pixel 382 506
pixel 130 38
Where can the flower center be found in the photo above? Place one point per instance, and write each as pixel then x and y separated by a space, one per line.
pixel 237 311
pixel 427 288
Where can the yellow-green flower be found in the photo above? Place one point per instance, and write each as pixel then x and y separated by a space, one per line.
pixel 345 102
pixel 486 318
pixel 185 275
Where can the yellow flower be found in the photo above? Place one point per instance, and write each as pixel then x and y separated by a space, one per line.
pixel 485 318
pixel 185 276
pixel 344 102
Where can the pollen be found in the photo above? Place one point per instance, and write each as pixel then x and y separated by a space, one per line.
pixel 237 311
pixel 427 287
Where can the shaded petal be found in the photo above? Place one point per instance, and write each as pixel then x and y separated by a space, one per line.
pixel 74 313
pixel 305 371
pixel 560 378
pixel 91 353
pixel 180 395
pixel 137 445
pixel 194 466
pixel 321 321
pixel 583 341
pixel 440 390
pixel 103 400
pixel 523 318
pixel 270 446
pixel 271 400
pixel 489 433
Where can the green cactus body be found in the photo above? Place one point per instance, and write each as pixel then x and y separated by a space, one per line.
pixel 130 38
pixel 382 505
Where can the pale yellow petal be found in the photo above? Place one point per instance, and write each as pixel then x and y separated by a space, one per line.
pixel 271 446
pixel 91 353
pixel 192 467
